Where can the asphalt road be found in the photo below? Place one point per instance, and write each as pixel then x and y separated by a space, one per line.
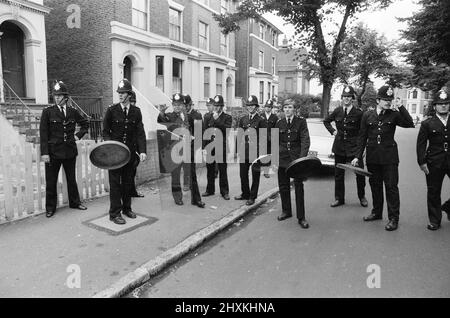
pixel 261 257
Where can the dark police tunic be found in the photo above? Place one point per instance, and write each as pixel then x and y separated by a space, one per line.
pixel 57 137
pixel 294 144
pixel 193 116
pixel 222 123
pixel 245 123
pixel 433 144
pixel 377 135
pixel 345 147
pixel 128 130
pixel 174 121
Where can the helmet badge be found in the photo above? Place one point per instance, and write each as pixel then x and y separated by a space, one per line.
pixel 443 95
pixel 390 92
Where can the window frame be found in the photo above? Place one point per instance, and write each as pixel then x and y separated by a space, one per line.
pixel 261 58
pixel 146 13
pixel 180 26
pixel 206 37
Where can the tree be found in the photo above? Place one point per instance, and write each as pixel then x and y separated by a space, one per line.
pixel 428 46
pixel 308 18
pixel 364 53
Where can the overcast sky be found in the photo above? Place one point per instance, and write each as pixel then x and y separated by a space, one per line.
pixel 384 21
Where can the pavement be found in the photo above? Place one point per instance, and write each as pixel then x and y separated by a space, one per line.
pixel 82 254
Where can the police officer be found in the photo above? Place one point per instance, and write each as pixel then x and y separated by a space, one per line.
pixel 294 144
pixel 212 169
pixel 176 120
pixel 270 120
pixel 247 122
pixel 433 155
pixel 193 116
pixel 58 147
pixel 135 157
pixel 348 121
pixel 220 121
pixel 123 123
pixel 377 133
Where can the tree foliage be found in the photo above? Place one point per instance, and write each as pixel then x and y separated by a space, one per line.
pixel 308 18
pixel 364 54
pixel 428 46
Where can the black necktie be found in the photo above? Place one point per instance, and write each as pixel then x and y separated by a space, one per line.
pixel 125 111
pixel 345 112
pixel 62 111
pixel 289 122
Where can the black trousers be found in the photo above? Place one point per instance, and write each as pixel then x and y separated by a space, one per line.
pixel 248 193
pixel 177 191
pixel 284 184
pixel 51 179
pixel 186 174
pixel 339 179
pixel 223 178
pixel 434 186
pixel 120 182
pixel 387 174
pixel 133 185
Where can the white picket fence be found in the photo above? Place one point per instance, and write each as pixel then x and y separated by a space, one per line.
pixel 22 180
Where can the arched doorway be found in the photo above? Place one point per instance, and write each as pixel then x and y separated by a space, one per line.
pixel 13 56
pixel 229 92
pixel 127 68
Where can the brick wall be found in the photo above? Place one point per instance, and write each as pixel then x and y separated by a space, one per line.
pixel 81 57
pixel 159 17
pixel 241 51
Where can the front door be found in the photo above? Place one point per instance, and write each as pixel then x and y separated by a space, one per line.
pixel 13 55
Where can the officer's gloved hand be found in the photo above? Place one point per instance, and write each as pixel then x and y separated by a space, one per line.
pixel 355 162
pixel 335 133
pixel 143 157
pixel 424 168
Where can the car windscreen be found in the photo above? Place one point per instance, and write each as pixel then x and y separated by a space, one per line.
pixel 317 128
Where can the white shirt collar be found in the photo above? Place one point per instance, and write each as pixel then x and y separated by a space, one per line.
pixel 123 106
pixel 289 118
pixel 349 109
pixel 268 115
pixel 443 119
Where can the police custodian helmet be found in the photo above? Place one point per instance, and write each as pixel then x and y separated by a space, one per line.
pixel 442 97
pixel 218 100
pixel 269 103
pixel 252 101
pixel 60 88
pixel 386 92
pixel 178 98
pixel 125 86
pixel 348 91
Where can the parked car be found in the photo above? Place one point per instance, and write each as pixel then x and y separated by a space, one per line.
pixel 321 142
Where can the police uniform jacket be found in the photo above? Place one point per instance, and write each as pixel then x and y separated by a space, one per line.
pixel 193 116
pixel 294 140
pixel 346 141
pixel 245 123
pixel 433 143
pixel 128 130
pixel 377 133
pixel 57 133
pixel 222 123
pixel 207 123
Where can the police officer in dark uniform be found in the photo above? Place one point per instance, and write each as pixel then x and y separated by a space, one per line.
pixel 123 123
pixel 270 120
pixel 348 121
pixel 220 121
pixel 246 122
pixel 176 120
pixel 212 170
pixel 294 144
pixel 193 116
pixel 135 157
pixel 433 155
pixel 377 133
pixel 58 147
